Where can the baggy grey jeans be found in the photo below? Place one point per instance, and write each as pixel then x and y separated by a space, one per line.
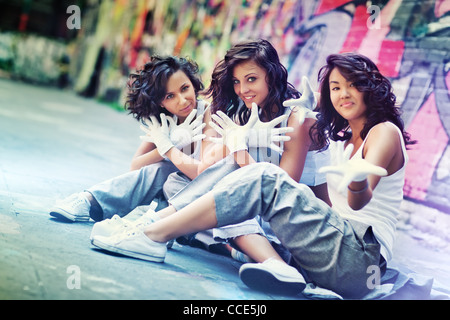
pixel 203 183
pixel 331 252
pixel 121 194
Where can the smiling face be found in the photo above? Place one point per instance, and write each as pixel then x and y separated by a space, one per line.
pixel 249 82
pixel 180 98
pixel 345 97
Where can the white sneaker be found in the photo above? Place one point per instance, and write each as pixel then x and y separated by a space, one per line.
pixel 133 244
pixel 116 224
pixel 74 208
pixel 272 276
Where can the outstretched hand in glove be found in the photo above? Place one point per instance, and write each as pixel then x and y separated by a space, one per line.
pixel 158 133
pixel 168 134
pixel 264 134
pixel 353 169
pixel 233 136
pixel 187 132
pixel 306 103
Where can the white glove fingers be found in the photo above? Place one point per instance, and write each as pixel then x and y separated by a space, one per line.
pixel 224 119
pixel 301 115
pixel 164 123
pixel 146 138
pixel 153 121
pixel 292 102
pixel 275 148
pixel 216 140
pixel 277 120
pixel 312 115
pixel 281 138
pixel 190 116
pixel 218 121
pixel 376 170
pixel 199 129
pixel 197 122
pixel 146 122
pixel 145 129
pixel 198 137
pixel 217 128
pixel 331 169
pixel 172 122
pixel 282 130
pixel 308 93
pixel 253 116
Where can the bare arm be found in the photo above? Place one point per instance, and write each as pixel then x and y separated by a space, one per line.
pixel 383 149
pixel 145 155
pixel 296 149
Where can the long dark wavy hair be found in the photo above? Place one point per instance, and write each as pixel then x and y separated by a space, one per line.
pixel 147 87
pixel 377 93
pixel 221 89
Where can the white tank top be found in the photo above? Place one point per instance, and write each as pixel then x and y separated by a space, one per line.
pixel 382 210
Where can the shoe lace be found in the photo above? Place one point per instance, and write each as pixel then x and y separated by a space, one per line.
pixel 78 202
pixel 124 234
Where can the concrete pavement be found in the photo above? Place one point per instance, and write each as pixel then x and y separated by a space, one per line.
pixel 54 143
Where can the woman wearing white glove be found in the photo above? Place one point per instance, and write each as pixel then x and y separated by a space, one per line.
pixel 164 87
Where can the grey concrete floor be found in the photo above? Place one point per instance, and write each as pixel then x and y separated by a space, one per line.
pixel 54 143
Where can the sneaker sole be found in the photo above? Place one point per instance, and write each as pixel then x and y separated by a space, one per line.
pixel 68 216
pixel 128 253
pixel 263 280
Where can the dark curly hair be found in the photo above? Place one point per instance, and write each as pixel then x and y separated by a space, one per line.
pixel 221 89
pixel 377 93
pixel 147 87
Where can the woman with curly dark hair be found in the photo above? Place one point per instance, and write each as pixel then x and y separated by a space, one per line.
pixel 377 92
pixel 147 87
pixel 222 88
pixel 167 86
pixel 163 96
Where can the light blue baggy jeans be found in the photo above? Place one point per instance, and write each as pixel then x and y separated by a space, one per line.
pixel 331 252
pixel 122 194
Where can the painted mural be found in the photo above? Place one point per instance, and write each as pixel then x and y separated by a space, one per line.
pixel 408 39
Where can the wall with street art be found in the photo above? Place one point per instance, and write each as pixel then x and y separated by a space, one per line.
pixel 408 39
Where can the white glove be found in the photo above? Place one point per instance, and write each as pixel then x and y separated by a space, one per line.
pixel 264 134
pixel 306 103
pixel 234 136
pixel 158 134
pixel 185 133
pixel 352 169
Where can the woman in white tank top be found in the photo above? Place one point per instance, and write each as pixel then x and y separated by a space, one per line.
pixel 359 113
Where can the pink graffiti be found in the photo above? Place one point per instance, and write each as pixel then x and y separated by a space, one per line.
pixel 387 54
pixel 329 5
pixel 427 129
pixel 441 7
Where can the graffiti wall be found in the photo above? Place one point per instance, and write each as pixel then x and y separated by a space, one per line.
pixel 408 39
